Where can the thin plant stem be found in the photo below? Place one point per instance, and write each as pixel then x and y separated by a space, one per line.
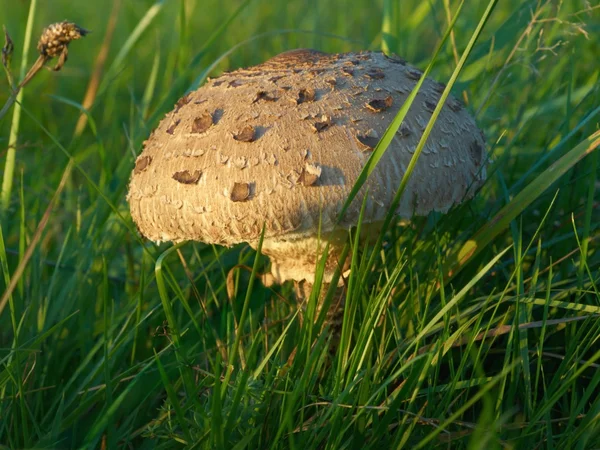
pixel 386 27
pixel 53 43
pixel 94 83
pixel 20 270
pixel 7 51
pixel 9 167
pixel 16 95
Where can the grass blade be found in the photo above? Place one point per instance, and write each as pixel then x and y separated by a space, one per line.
pixel 461 256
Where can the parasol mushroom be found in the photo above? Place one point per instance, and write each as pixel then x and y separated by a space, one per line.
pixel 282 143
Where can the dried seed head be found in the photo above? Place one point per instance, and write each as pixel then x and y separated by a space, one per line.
pixel 8 49
pixel 56 38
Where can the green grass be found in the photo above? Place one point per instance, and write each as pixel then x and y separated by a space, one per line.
pixel 475 329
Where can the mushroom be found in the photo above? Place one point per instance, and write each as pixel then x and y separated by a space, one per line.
pixel 281 144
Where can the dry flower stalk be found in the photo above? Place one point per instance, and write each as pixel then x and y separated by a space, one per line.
pixel 53 43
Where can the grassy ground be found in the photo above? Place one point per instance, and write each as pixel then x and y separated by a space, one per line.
pixel 478 329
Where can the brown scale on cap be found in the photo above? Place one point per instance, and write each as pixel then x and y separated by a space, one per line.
pixel 380 104
pixel 305 95
pixel 315 72
pixel 202 123
pixel 310 175
pixel 187 177
pixel 322 124
pixel 375 74
pixel 438 87
pixel 404 129
pixel 476 150
pixel 429 105
pixel 235 83
pixel 240 192
pixel 367 142
pixel 296 177
pixel 264 95
pixel 142 164
pixel 396 60
pixel 413 74
pixel 182 101
pixel 299 59
pixel 172 127
pixel 246 134
pixel 454 104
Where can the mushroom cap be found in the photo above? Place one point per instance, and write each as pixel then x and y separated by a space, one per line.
pixel 282 144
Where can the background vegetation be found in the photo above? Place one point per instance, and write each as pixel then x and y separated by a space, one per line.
pixel 475 329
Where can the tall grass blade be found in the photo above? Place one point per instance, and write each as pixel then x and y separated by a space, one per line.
pixel 11 153
pixel 480 240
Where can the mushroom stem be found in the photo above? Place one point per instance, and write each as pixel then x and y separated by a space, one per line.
pixel 297 259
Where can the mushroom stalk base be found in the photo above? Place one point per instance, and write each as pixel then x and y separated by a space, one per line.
pixel 298 259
